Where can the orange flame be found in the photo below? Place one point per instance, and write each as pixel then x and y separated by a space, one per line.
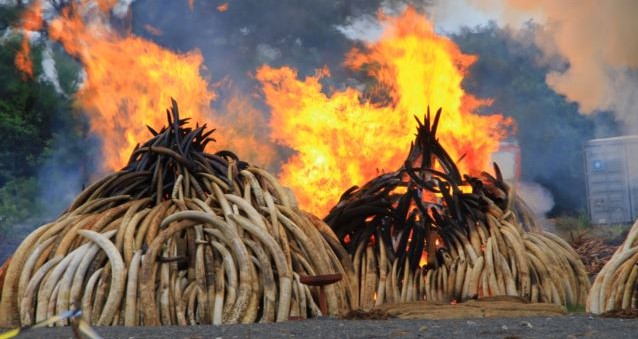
pixel 129 82
pixel 242 127
pixel 31 21
pixel 340 138
pixel 333 135
pixel 424 259
pixel 419 69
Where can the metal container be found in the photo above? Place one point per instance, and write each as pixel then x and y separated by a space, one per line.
pixel 611 167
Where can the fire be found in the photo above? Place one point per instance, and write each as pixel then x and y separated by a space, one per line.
pixel 130 80
pixel 243 128
pixel 423 261
pixel 340 138
pixel 31 21
pixel 417 68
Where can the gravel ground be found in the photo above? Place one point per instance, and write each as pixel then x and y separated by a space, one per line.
pixel 570 326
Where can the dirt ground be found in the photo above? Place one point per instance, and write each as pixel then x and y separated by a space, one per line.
pixel 569 326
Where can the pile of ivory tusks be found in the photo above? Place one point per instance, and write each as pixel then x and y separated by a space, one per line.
pixel 480 241
pixel 616 285
pixel 227 259
pixel 500 259
pixel 179 236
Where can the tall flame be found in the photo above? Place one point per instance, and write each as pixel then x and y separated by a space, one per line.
pixel 340 138
pixel 129 83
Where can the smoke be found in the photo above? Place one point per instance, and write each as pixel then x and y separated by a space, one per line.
pixel 598 41
pixel 365 28
pixel 64 174
pixel 121 8
pixel 49 71
pixel 539 199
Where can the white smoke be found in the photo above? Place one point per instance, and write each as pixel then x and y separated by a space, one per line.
pixel 49 71
pixel 121 8
pixel 365 28
pixel 267 54
pixel 539 199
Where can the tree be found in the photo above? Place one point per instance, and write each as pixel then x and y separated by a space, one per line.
pixel 33 119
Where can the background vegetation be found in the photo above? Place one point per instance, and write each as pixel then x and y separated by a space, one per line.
pixel 36 123
pixel 43 138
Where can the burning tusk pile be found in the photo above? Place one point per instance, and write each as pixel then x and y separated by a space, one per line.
pixel 178 236
pixel 616 285
pixel 425 233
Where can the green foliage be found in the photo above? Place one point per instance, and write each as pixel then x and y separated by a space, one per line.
pixel 613 234
pixel 8 16
pixel 31 113
pixel 30 110
pixel 575 308
pixel 24 117
pixel 569 227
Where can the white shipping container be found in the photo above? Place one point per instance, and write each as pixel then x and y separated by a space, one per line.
pixel 611 169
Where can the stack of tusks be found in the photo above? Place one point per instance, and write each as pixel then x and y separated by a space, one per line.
pixel 180 236
pixel 224 244
pixel 480 241
pixel 616 285
pixel 500 259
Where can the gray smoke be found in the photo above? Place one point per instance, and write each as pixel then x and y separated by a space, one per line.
pixel 539 199
pixel 60 180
